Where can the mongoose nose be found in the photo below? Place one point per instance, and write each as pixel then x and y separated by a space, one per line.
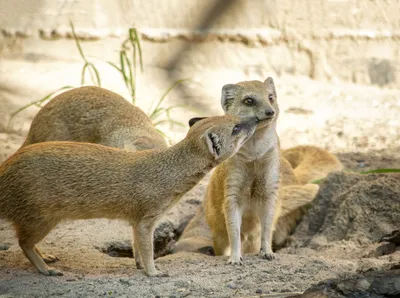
pixel 269 113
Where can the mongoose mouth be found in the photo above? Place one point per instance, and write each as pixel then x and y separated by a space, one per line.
pixel 264 121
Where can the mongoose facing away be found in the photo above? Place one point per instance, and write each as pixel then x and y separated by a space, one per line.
pixel 242 196
pixel 94 115
pixel 43 184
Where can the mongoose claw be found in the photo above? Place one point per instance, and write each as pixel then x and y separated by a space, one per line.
pixel 235 262
pixel 52 272
pixel 267 255
pixel 50 258
pixel 157 274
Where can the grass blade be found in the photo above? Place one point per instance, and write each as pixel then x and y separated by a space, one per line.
pixel 166 93
pixel 78 45
pixel 134 38
pixel 96 72
pixel 83 73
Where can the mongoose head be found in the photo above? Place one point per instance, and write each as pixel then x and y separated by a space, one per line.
pixel 221 136
pixel 251 99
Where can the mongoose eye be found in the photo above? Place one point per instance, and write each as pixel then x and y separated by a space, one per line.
pixel 271 97
pixel 236 130
pixel 249 101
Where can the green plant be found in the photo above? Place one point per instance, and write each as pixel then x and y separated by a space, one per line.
pixel 127 68
pixel 130 47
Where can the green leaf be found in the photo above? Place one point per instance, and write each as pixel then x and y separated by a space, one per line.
pixel 166 93
pixel 83 73
pixel 379 171
pixel 96 72
pixel 78 45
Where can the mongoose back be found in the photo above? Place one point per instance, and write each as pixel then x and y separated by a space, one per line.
pixel 45 183
pixel 94 115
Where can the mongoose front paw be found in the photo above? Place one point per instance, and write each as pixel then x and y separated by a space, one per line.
pixel 233 261
pixel 157 274
pixel 50 258
pixel 267 255
pixel 52 272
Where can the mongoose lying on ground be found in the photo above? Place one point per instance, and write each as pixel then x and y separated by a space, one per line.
pixel 94 115
pixel 43 184
pixel 245 99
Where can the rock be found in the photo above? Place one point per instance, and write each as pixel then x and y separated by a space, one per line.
pixel 385 249
pixel 4 246
pixel 393 237
pixel 354 207
pixel 232 286
pixel 371 284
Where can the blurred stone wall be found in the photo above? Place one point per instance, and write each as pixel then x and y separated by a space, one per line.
pixel 351 40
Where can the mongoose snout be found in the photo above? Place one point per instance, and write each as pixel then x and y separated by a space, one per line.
pixel 45 183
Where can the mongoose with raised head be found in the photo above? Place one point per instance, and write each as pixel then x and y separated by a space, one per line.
pixel 43 184
pixel 245 99
pixel 241 201
pixel 94 115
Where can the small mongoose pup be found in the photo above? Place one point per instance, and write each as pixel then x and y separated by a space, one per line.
pixel 94 115
pixel 45 183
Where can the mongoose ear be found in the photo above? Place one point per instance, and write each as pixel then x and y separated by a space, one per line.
pixel 213 144
pixel 195 120
pixel 269 82
pixel 229 92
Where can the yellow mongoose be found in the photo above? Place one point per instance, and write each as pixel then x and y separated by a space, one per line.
pixel 245 99
pixel 242 195
pixel 308 163
pixel 94 115
pixel 42 184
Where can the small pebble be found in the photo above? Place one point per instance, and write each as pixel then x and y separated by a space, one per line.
pixel 232 286
pixel 4 246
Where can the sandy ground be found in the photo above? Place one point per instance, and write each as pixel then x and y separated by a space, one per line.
pixel 359 123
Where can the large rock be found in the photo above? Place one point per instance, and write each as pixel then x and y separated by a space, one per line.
pixel 352 207
pixel 372 284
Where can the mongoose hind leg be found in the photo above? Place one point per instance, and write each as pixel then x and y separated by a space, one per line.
pixel 28 236
pixel 136 251
pixel 220 244
pixel 144 239
pixel 46 257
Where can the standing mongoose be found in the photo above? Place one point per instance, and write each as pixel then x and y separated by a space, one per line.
pixel 43 184
pixel 243 213
pixel 307 163
pixel 241 200
pixel 94 115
